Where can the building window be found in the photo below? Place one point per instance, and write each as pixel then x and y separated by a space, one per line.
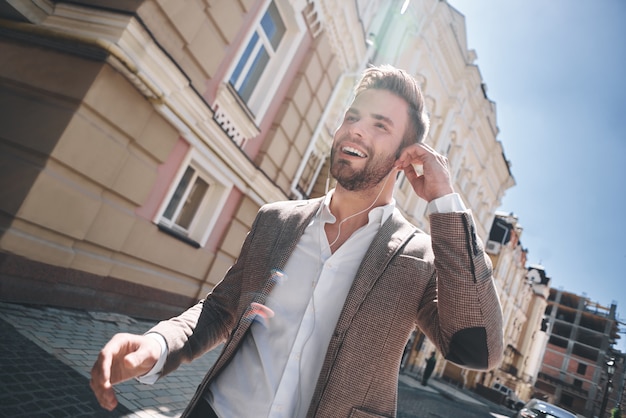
pixel 582 368
pixel 185 201
pixel 259 69
pixel 261 48
pixel 191 208
pixel 309 175
pixel 567 400
pixel 314 160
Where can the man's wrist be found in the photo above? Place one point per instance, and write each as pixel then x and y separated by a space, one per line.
pixel 446 204
pixel 154 373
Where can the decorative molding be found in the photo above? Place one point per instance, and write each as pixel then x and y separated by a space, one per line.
pixel 233 116
pixel 342 22
pixel 311 17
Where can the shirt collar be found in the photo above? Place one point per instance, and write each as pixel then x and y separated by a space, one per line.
pixel 377 216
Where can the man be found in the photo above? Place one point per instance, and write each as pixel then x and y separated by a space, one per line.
pixel 316 311
pixel 430 366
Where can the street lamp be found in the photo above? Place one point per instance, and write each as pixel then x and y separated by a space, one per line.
pixel 610 370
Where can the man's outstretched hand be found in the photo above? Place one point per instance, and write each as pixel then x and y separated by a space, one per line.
pixel 124 357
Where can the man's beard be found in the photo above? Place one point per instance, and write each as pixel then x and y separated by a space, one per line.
pixel 370 175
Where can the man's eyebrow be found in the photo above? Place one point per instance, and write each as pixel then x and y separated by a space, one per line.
pixel 384 118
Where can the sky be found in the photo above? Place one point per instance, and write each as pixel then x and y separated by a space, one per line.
pixel 556 71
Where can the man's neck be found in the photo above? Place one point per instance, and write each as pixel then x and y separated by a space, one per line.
pixel 345 203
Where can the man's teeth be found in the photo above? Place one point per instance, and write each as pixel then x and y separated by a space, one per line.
pixel 353 151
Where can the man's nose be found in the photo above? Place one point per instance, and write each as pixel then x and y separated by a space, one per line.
pixel 357 128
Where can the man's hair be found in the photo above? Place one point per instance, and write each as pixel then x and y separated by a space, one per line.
pixel 402 84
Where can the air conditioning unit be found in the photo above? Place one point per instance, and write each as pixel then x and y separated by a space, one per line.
pixel 493 247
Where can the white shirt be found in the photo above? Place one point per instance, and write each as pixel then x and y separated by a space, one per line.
pixel 277 365
pixel 275 370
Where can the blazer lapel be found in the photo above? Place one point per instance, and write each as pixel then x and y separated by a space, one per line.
pixel 391 237
pixel 293 227
pixel 393 234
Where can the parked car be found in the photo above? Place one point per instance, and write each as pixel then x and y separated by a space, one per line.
pixel 536 408
pixel 510 397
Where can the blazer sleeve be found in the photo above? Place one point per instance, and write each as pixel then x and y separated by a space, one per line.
pixel 460 311
pixel 208 323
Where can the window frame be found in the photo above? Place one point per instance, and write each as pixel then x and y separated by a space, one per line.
pixel 308 171
pixel 209 208
pixel 246 71
pixel 271 77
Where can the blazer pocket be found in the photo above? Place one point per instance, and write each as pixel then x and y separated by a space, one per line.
pixel 409 272
pixel 358 413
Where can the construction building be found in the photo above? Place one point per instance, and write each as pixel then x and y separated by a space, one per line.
pixel 574 372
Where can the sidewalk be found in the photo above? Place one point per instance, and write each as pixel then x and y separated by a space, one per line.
pixel 436 386
pixel 46 354
pixel 455 394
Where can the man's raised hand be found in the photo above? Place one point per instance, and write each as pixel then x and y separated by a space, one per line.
pixel 435 181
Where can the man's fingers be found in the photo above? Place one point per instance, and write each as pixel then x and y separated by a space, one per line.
pixel 410 172
pixel 105 396
pixel 100 381
pixel 109 369
pixel 414 154
pixel 105 393
pixel 125 356
pixel 435 180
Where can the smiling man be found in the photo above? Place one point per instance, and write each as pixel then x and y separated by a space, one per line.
pixel 317 309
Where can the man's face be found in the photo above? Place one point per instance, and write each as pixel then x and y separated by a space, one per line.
pixel 367 143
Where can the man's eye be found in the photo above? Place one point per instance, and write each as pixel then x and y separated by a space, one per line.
pixel 381 126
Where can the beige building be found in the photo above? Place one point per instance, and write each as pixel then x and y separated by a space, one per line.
pixel 430 41
pixel 523 292
pixel 534 337
pixel 139 138
pixel 509 260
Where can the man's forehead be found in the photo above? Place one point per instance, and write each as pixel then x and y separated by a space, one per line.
pixel 381 104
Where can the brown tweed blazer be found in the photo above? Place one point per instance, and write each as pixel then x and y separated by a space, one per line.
pixel 445 288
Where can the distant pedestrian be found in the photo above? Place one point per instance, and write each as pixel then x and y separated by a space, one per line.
pixel 428 370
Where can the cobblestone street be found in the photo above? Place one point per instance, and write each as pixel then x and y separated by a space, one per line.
pixel 46 354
